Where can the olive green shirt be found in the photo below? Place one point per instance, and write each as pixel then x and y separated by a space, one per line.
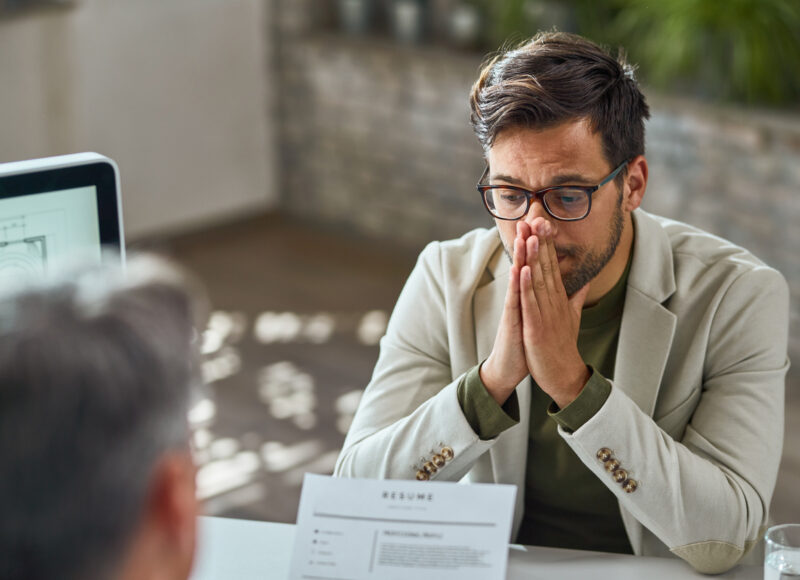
pixel 565 504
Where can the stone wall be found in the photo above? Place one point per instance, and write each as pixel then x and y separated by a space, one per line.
pixel 375 137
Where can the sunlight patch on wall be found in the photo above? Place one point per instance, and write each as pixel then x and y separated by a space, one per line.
pixel 322 464
pixel 319 328
pixel 223 475
pixel 346 406
pixel 202 413
pixel 372 327
pixel 283 327
pixel 226 363
pixel 279 457
pixel 223 328
pixel 288 393
pixel 273 327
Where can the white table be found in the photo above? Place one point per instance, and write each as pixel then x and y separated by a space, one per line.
pixel 246 550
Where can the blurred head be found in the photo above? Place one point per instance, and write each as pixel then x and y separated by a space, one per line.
pixel 95 374
pixel 559 111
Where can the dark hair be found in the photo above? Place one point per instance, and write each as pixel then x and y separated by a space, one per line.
pixel 557 77
pixel 95 375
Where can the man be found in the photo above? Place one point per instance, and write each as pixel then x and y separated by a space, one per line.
pixel 97 477
pixel 625 371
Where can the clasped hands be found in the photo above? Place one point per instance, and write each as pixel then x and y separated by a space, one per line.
pixel 538 332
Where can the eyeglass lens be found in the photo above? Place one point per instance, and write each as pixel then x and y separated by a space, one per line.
pixel 563 202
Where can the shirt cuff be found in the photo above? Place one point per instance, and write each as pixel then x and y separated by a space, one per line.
pixel 485 416
pixel 586 404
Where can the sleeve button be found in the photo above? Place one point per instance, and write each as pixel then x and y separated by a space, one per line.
pixel 422 476
pixel 620 475
pixel 630 485
pixel 604 454
pixel 448 453
pixel 429 468
pixel 611 464
pixel 438 460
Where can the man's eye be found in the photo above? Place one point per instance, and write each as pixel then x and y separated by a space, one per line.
pixel 571 197
pixel 511 197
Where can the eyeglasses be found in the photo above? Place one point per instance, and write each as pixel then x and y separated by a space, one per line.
pixel 563 202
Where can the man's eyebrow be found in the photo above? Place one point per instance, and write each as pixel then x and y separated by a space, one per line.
pixel 566 179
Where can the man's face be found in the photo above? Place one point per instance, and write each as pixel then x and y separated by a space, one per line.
pixel 568 154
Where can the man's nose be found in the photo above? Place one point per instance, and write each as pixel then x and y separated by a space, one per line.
pixel 537 210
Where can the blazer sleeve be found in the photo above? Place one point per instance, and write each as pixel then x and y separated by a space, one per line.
pixel 707 495
pixel 410 411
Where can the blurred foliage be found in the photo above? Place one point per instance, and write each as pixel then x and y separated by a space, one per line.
pixel 745 51
pixel 508 22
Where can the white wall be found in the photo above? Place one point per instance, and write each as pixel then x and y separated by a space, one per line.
pixel 174 90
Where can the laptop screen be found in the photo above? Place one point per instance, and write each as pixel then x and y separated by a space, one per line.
pixel 52 214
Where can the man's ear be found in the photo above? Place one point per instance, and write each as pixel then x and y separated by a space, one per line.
pixel 173 505
pixel 635 183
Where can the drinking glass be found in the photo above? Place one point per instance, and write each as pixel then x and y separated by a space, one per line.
pixel 782 552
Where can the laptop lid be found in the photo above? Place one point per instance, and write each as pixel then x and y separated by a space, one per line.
pixel 56 210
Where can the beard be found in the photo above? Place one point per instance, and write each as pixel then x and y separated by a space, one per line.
pixel 588 263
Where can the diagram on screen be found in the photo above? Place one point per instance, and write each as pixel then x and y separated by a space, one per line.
pixel 23 247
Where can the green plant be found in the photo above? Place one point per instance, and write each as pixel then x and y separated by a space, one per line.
pixel 743 50
pixel 509 23
pixel 737 50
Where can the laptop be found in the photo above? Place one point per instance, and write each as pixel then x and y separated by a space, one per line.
pixel 57 210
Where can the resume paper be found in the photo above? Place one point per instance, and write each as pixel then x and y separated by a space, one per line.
pixel 358 529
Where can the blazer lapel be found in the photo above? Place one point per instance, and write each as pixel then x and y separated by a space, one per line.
pixel 488 302
pixel 647 328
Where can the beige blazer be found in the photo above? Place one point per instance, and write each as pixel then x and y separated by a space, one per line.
pixel 695 414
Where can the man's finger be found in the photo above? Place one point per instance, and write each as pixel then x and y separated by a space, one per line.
pixel 523 229
pixel 532 250
pixel 539 283
pixel 548 260
pixel 531 317
pixel 577 300
pixel 512 308
pixel 559 284
pixel 519 252
pixel 512 294
pixel 543 294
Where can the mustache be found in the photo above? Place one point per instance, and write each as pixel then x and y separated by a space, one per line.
pixel 567 251
pixel 561 252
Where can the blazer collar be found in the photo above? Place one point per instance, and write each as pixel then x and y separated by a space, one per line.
pixel 489 300
pixel 647 328
pixel 652 272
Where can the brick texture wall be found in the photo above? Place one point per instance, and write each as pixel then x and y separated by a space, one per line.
pixel 375 137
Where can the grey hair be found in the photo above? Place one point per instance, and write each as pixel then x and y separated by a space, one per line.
pixel 95 377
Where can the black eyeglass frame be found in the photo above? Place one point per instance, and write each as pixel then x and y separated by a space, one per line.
pixel 539 194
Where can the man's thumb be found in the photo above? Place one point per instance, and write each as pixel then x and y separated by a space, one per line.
pixel 577 299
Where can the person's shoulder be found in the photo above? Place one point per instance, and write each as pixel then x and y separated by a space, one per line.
pixel 695 243
pixel 465 256
pixel 474 245
pixel 696 251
